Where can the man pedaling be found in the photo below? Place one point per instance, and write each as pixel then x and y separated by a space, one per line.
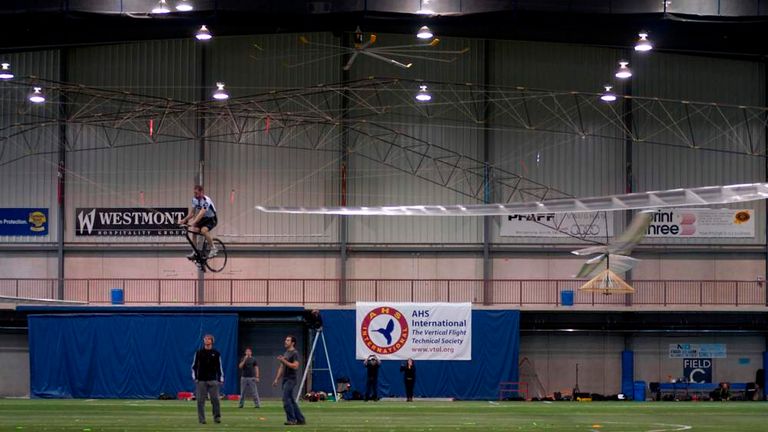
pixel 201 218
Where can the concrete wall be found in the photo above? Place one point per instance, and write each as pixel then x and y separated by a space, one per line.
pixel 554 357
pixel 14 372
pixel 325 265
pixel 651 267
pixel 652 362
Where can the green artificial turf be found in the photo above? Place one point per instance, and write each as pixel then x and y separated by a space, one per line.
pixel 155 415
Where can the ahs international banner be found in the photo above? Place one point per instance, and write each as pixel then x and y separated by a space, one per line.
pixel 422 331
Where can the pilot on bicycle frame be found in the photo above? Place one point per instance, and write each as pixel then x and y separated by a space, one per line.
pixel 202 218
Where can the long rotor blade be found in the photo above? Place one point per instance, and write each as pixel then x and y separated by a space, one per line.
pixel 643 200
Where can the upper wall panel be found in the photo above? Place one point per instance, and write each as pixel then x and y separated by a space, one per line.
pixel 270 164
pixel 705 144
pixel 111 167
pixel 28 161
pixel 404 177
pixel 547 146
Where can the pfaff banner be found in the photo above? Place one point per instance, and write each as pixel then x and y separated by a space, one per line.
pixel 128 222
pixel 23 221
pixel 580 225
pixel 697 351
pixel 422 331
pixel 702 223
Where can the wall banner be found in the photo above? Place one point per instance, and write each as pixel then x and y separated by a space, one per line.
pixel 23 222
pixel 128 222
pixel 694 351
pixel 422 331
pixel 553 225
pixel 702 223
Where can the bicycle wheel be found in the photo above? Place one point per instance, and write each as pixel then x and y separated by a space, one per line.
pixel 217 263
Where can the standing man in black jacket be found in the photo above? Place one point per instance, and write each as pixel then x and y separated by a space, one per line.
pixel 372 364
pixel 207 373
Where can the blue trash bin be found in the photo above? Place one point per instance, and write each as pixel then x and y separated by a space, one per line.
pixel 566 298
pixel 639 393
pixel 117 296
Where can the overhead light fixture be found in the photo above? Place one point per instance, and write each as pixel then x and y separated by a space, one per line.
pixel 161 8
pixel 5 71
pixel 37 96
pixel 220 93
pixel 203 34
pixel 423 10
pixel 643 44
pixel 423 95
pixel 623 71
pixel 608 96
pixel 424 33
pixel 184 6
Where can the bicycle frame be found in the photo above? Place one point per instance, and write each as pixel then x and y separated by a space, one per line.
pixel 199 258
pixel 200 255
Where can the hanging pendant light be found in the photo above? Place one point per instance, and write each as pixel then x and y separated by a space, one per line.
pixel 37 96
pixel 643 44
pixel 220 93
pixel 624 72
pixel 423 95
pixel 425 33
pixel 161 8
pixel 608 95
pixel 203 34
pixel 5 71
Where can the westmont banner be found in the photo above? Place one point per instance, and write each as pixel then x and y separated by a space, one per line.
pixel 128 222
pixel 422 331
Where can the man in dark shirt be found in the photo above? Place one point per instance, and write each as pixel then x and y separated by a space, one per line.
pixel 249 376
pixel 207 373
pixel 372 364
pixel 288 371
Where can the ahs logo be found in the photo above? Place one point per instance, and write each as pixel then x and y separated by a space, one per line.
pixel 86 220
pixel 384 330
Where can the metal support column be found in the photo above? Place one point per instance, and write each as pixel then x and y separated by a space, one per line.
pixel 200 123
pixel 487 191
pixel 343 169
pixel 629 186
pixel 765 160
pixel 61 171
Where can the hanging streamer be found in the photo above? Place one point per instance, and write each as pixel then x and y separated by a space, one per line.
pixel 151 127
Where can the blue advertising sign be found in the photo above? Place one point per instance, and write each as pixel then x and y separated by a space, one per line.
pixel 698 370
pixel 688 350
pixel 23 222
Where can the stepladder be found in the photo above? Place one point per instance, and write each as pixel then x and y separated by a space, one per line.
pixel 321 337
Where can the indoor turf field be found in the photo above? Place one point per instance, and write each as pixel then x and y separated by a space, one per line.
pixel 144 415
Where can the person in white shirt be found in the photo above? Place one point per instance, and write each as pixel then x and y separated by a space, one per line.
pixel 202 218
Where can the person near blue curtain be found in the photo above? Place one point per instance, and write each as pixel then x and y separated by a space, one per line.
pixel 208 374
pixel 372 364
pixel 288 371
pixel 409 374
